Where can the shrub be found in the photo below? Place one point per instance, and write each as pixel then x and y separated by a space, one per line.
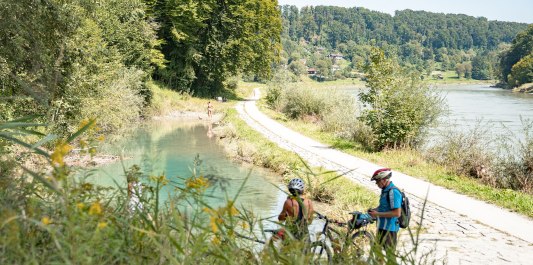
pixel 118 105
pixel 465 153
pixel 514 168
pixel 399 108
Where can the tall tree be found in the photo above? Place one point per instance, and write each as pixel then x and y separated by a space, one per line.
pixel 522 47
pixel 208 41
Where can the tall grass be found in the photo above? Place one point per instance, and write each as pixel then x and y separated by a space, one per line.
pixel 52 216
pixel 504 162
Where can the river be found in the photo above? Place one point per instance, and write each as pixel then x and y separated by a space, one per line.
pixel 497 109
pixel 170 148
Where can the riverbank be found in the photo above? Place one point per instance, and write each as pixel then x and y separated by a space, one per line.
pixel 444 228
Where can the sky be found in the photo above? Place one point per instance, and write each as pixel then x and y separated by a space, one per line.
pixel 502 10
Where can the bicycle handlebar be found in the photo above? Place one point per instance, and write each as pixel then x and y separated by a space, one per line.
pixel 355 214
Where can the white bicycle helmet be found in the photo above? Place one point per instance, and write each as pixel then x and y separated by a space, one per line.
pixel 297 185
pixel 383 173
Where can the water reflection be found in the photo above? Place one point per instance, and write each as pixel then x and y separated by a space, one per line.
pixel 169 148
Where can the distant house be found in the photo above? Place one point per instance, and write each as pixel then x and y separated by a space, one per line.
pixel 336 56
pixel 335 68
pixel 311 71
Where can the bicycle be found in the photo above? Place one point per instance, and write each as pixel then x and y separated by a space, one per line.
pixel 355 243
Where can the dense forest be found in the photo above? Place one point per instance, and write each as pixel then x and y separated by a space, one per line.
pixel 71 60
pixel 422 40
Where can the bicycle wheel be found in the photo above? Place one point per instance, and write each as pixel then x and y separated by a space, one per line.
pixel 361 244
pixel 320 253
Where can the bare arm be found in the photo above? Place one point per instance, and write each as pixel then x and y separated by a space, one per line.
pixel 285 211
pixel 310 212
pixel 393 213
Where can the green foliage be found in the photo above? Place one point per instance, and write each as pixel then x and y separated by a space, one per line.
pixel 399 108
pixel 297 68
pixel 464 153
pixel 521 48
pixel 464 70
pixel 205 42
pixel 481 67
pixel 522 71
pixel 417 37
pixel 32 54
pixel 64 59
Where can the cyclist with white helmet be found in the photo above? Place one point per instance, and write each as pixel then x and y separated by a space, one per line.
pixel 388 211
pixel 297 212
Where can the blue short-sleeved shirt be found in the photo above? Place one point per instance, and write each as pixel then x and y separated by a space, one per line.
pixel 389 224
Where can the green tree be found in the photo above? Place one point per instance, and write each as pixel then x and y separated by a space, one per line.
pixel 205 42
pixel 297 68
pixel 468 70
pixel 323 68
pixel 522 71
pixel 481 67
pixel 399 107
pixel 460 70
pixel 521 47
pixel 60 59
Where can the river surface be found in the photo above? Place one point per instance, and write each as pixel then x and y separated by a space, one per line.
pixel 170 148
pixel 498 109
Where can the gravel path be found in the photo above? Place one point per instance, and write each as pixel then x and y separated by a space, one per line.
pixel 456 229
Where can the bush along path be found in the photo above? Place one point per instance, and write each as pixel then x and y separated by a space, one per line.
pixel 456 229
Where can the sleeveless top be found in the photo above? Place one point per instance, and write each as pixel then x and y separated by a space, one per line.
pixel 298 227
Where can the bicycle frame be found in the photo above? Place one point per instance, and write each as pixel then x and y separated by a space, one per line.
pixel 335 236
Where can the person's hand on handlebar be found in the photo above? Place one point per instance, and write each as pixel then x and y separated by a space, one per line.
pixel 373 213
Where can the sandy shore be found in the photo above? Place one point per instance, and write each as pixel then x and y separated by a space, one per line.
pixel 188 116
pixel 85 160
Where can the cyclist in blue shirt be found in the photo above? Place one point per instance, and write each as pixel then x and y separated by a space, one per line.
pixel 388 211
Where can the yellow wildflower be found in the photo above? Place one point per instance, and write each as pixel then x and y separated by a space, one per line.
pixel 80 205
pixel 216 240
pixel 231 209
pixel 95 209
pixel 100 138
pixel 244 225
pixel 46 221
pixel 86 121
pixel 83 123
pixel 199 183
pixel 213 220
pixel 102 225
pixel 59 153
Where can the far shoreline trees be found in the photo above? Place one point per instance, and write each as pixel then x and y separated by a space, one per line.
pixel 422 41
pixel 516 64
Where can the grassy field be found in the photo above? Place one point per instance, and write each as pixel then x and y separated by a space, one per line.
pixel 450 77
pixel 413 163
